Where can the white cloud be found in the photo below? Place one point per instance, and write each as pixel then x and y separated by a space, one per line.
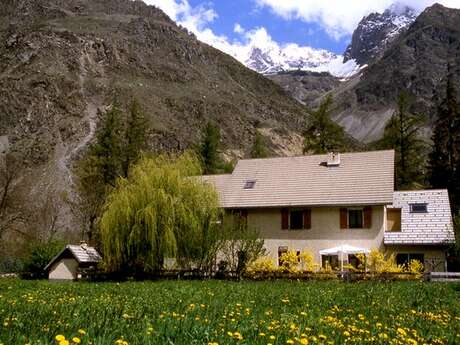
pixel 339 17
pixel 238 29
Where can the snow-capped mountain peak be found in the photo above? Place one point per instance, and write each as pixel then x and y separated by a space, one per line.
pixel 376 31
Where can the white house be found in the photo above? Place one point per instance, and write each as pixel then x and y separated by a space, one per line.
pixel 321 202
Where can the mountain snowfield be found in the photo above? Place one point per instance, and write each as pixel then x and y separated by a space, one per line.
pixel 275 59
pixel 266 56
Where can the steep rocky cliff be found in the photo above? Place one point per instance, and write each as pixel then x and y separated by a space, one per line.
pixel 417 61
pixel 62 62
pixel 376 32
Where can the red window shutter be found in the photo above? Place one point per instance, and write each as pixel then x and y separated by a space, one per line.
pixel 343 218
pixel 307 219
pixel 367 217
pixel 284 219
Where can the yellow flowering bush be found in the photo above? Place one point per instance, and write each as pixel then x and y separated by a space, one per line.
pixel 290 262
pixel 307 261
pixel 263 264
pixel 415 266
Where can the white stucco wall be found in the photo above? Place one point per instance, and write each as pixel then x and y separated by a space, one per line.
pixel 64 269
pixel 325 231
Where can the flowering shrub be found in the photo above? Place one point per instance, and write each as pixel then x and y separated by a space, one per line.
pixel 262 264
pixel 378 263
pixel 290 262
pixel 307 261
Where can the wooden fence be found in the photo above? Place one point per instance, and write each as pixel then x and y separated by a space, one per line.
pixel 443 276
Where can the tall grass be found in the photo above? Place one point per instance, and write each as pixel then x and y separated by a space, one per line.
pixel 280 312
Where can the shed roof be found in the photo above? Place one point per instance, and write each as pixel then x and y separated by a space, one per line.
pixel 364 178
pixel 81 253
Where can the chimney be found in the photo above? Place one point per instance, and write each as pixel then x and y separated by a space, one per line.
pixel 333 159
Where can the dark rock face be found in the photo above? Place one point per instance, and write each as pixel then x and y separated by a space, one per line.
pixel 417 61
pixel 306 86
pixel 376 31
pixel 62 62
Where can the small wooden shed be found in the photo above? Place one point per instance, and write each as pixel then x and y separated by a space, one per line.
pixel 66 264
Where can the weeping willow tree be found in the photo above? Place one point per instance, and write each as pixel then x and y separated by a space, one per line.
pixel 160 212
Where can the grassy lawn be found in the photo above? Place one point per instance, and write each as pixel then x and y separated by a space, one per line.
pixel 280 312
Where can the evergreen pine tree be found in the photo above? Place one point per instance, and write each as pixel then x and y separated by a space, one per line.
pixel 135 136
pixel 258 149
pixel 209 149
pixel 402 134
pixel 107 149
pixel 445 156
pixel 322 134
pixel 98 170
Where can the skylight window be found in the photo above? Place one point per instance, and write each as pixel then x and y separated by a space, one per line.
pixel 249 184
pixel 418 208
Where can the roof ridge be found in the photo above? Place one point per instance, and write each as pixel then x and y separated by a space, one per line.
pixel 313 155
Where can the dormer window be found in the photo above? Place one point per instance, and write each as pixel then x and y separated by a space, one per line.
pixel 249 184
pixel 419 208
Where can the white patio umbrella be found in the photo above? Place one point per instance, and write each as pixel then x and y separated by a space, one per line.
pixel 343 249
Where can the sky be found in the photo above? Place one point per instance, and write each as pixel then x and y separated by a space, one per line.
pixel 235 25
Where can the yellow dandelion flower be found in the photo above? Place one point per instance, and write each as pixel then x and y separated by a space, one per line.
pixel 401 332
pixel 76 340
pixel 81 332
pixel 59 338
pixel 322 337
pixel 64 342
pixel 289 341
pixel 304 341
pixel 346 333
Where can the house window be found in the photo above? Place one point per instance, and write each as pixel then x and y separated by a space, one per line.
pixel 296 220
pixel 281 251
pixel 249 184
pixel 394 219
pixel 331 261
pixel 418 208
pixel 355 218
pixel 404 258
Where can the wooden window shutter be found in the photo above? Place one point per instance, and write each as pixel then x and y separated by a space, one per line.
pixel 307 219
pixel 343 218
pixel 284 219
pixel 367 217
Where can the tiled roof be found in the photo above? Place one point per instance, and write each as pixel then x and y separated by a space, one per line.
pixel 81 253
pixel 84 253
pixel 364 178
pixel 431 228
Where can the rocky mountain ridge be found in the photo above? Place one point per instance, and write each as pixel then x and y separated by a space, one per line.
pixel 416 60
pixel 376 32
pixel 63 62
